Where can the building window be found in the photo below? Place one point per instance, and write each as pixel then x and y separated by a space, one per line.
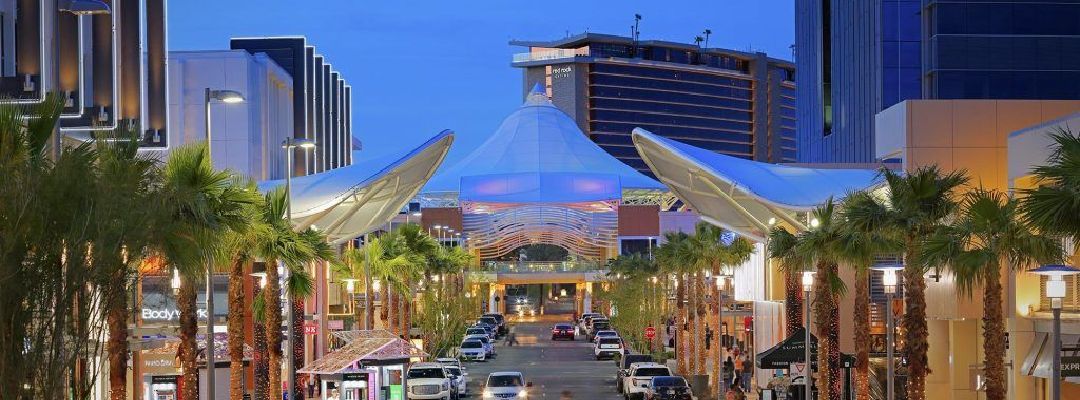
pixel 826 67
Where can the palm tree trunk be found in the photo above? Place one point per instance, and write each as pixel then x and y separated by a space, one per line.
pixel 715 354
pixel 384 310
pixel 235 325
pixel 395 315
pixel 406 309
pixel 699 325
pixel 185 302
pixel 691 324
pixel 682 341
pixel 298 345
pixel 273 328
pixel 914 324
pixel 828 318
pixel 862 334
pixel 262 364
pixel 369 305
pixel 118 339
pixel 994 335
pixel 793 302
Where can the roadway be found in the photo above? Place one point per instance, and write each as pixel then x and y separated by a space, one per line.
pixel 558 370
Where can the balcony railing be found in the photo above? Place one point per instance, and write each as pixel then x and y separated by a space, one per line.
pixel 553 54
pixel 528 267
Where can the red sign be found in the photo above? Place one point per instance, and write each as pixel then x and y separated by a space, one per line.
pixel 311 327
pixel 650 332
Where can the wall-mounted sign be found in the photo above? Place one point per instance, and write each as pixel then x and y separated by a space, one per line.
pixel 311 327
pixel 1070 366
pixel 151 314
pixel 335 324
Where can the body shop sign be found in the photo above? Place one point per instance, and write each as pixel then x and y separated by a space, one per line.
pixel 152 314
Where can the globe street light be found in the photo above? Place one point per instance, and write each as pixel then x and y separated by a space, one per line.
pixel 289 145
pixel 889 280
pixel 1055 290
pixel 807 284
pixel 224 96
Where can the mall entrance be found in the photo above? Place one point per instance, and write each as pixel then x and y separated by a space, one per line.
pixel 537 299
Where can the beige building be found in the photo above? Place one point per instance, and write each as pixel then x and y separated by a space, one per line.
pixel 996 142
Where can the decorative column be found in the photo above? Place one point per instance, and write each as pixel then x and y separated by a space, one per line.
pixel 587 298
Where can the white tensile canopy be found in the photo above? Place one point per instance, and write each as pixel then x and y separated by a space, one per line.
pixel 741 195
pixel 349 201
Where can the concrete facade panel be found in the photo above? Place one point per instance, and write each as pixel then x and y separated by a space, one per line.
pixel 639 220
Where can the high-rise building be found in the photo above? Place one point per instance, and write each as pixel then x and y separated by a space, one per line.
pixel 322 101
pixel 727 101
pixel 106 59
pixel 857 58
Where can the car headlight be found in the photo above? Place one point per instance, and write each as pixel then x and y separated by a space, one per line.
pixel 523 394
pixel 488 395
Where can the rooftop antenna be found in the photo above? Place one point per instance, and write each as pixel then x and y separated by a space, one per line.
pixel 707 33
pixel 635 33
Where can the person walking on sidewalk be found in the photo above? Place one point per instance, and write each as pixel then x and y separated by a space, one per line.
pixel 511 336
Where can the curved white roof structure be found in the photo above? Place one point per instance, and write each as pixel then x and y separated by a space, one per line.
pixel 744 195
pixel 538 155
pixel 349 201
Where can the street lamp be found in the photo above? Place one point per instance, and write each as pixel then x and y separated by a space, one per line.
pixel 808 285
pixel 224 96
pixel 175 281
pixel 721 286
pixel 1055 290
pixel 889 280
pixel 289 145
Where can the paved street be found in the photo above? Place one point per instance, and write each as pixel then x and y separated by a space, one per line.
pixel 558 370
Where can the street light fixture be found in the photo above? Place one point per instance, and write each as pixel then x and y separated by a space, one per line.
pixel 721 286
pixel 224 96
pixel 1056 290
pixel 175 281
pixel 889 280
pixel 289 144
pixel 808 285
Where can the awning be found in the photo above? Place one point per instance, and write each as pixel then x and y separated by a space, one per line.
pixel 365 346
pixel 349 201
pixel 1039 360
pixel 170 346
pixel 793 350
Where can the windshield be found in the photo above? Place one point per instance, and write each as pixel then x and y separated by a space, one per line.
pixel 476 331
pixel 609 341
pixel 669 382
pixel 426 373
pixel 489 321
pixel 600 325
pixel 453 371
pixel 652 371
pixel 472 344
pixel 606 333
pixel 504 381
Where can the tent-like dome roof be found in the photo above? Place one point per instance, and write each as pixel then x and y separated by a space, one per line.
pixel 538 154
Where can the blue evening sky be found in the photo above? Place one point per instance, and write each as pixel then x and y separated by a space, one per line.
pixel 417 67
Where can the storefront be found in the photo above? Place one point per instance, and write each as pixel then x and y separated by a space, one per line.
pixel 371 366
pixel 161 372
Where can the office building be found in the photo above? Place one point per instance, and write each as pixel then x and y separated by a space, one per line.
pixel 858 58
pixel 245 137
pixel 105 58
pixel 322 100
pixel 730 102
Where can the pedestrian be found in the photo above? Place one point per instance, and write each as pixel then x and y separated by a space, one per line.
pixel 511 336
pixel 747 373
pixel 729 370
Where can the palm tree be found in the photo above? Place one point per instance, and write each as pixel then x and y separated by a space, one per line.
pixel 417 246
pixel 912 208
pixel 719 250
pixel 781 247
pixel 858 250
pixel 301 285
pixel 123 218
pixel 1054 206
pixel 200 204
pixel 378 264
pixel 987 235
pixel 817 246
pixel 675 258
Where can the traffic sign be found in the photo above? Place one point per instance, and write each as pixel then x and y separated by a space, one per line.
pixel 650 332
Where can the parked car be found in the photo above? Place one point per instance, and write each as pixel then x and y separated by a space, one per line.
pixel 598 324
pixel 639 379
pixel 586 319
pixel 489 345
pixel 506 385
pixel 472 349
pixel 449 362
pixel 478 331
pixel 669 388
pixel 624 367
pixel 501 319
pixel 458 378
pixel 487 327
pixel 562 330
pixel 428 380
pixel 603 334
pixel 608 347
pixel 492 322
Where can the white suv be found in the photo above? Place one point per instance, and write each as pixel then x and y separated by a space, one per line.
pixel 608 347
pixel 636 382
pixel 506 385
pixel 428 380
pixel 473 350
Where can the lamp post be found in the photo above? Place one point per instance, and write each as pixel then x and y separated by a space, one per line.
pixel 889 281
pixel 229 97
pixel 1055 290
pixel 721 286
pixel 289 145
pixel 808 284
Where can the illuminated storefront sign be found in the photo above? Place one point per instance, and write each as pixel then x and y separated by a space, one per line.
pixel 150 314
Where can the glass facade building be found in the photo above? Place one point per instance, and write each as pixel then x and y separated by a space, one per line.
pixel 740 104
pixel 896 50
